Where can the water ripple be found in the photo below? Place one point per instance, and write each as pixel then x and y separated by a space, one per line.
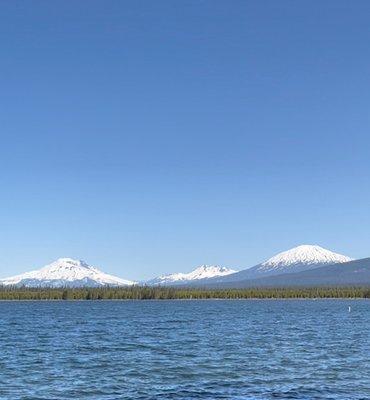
pixel 250 350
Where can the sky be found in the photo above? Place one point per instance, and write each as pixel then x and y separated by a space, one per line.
pixel 152 137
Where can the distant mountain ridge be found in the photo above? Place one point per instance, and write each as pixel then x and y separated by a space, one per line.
pixel 202 272
pixel 304 264
pixel 65 272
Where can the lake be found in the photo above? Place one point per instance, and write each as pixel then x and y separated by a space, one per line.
pixel 236 349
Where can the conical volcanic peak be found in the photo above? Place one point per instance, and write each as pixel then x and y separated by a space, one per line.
pixel 304 254
pixel 66 272
pixel 298 259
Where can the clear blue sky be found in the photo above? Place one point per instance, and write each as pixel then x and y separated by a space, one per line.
pixel 149 137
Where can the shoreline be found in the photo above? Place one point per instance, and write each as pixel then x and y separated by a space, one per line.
pixel 181 294
pixel 187 300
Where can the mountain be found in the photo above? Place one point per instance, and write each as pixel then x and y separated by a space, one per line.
pixel 202 272
pixel 352 273
pixel 287 265
pixel 66 272
pixel 300 258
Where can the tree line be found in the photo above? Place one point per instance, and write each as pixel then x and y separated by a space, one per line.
pixel 172 293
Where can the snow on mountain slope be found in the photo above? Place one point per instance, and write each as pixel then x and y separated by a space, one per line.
pixel 351 273
pixel 304 255
pixel 202 272
pixel 66 272
pixel 75 273
pixel 301 258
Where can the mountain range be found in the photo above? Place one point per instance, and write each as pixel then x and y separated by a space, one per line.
pixel 200 273
pixel 304 265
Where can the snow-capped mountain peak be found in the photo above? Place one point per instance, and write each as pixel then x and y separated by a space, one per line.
pixel 67 264
pixel 298 259
pixel 202 272
pixel 303 255
pixel 66 272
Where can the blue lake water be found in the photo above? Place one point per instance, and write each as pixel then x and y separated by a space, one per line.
pixel 185 350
